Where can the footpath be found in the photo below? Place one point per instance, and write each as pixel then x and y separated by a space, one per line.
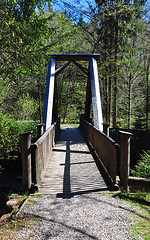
pixel 74 202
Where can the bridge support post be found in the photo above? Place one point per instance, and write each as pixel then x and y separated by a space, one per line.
pixel 97 109
pixel 125 159
pixel 88 99
pixel 26 160
pixel 106 129
pixel 49 96
pixel 40 130
pixel 55 106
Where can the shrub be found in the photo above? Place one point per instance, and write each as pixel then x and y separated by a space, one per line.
pixel 10 130
pixel 142 169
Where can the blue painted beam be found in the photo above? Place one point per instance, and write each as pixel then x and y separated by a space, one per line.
pixel 96 100
pixel 62 68
pixel 49 95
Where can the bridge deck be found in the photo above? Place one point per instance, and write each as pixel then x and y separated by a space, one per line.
pixel 71 169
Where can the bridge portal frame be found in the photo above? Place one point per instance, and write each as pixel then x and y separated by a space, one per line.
pixel 93 90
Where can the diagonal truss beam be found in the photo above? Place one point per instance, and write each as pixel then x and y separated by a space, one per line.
pixel 62 68
pixel 84 69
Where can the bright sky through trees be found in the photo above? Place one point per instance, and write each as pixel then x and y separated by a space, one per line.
pixel 75 9
pixel 78 8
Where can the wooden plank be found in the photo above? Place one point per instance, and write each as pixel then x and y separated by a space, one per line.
pixel 74 57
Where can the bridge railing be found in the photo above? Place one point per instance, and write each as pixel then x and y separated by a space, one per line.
pixel 35 156
pixel 41 150
pixel 104 147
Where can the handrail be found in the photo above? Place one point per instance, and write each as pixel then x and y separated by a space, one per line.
pixel 105 147
pixel 41 150
pixel 35 156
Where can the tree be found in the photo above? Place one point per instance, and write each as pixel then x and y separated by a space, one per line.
pixel 25 38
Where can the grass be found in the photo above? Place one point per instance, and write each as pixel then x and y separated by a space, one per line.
pixel 137 194
pixel 141 226
pixel 71 124
pixel 140 200
pixel 37 195
pixel 30 202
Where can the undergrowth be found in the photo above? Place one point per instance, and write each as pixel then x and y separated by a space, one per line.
pixel 10 130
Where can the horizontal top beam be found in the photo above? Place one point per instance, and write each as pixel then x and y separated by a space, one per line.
pixel 74 57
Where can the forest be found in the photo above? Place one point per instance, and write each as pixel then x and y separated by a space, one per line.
pixel 119 30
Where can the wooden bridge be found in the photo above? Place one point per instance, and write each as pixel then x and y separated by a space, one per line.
pixel 71 169
pixel 76 163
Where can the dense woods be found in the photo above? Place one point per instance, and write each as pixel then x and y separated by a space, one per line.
pixel 118 30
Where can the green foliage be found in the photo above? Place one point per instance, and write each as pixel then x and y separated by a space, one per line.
pixel 25 35
pixel 9 135
pixel 72 115
pixel 27 108
pixel 1 168
pixel 142 168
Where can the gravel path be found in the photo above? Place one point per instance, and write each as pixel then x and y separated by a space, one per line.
pixel 87 216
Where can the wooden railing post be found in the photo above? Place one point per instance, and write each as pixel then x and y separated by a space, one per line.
pixel 40 130
pixel 57 128
pixel 26 160
pixel 125 159
pixel 106 129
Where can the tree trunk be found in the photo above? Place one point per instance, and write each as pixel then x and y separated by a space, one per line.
pixel 105 71
pixel 109 96
pixel 129 101
pixel 147 92
pixel 39 97
pixel 115 75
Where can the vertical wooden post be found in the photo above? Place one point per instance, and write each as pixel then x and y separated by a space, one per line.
pixel 106 129
pixel 40 130
pixel 26 160
pixel 125 159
